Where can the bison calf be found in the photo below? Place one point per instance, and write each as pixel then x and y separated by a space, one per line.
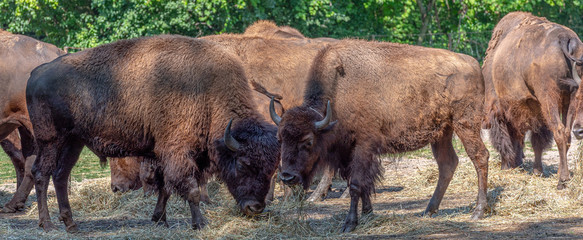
pixel 165 98
pixel 386 98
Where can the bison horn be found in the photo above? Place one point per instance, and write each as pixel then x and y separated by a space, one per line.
pixel 276 118
pixel 324 122
pixel 229 140
pixel 575 74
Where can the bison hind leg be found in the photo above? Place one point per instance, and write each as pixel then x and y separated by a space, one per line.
pixel 541 139
pixel 447 161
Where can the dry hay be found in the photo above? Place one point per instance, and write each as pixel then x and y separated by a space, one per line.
pixel 522 205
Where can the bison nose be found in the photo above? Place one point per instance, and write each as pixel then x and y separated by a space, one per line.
pixel 251 208
pixel 578 132
pixel 119 188
pixel 289 178
pixel 115 188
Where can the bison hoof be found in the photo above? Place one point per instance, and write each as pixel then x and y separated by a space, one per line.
pixel 348 227
pixel 561 185
pixel 315 198
pixel 72 229
pixel 48 226
pixel 162 223
pixel 8 209
pixel 428 213
pixel 198 226
pixel 477 215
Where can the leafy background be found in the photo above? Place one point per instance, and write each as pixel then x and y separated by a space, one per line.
pixel 462 26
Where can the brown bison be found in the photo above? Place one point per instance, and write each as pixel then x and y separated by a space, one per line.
pixel 165 98
pixel 18 56
pixel 382 100
pixel 274 67
pixel 531 76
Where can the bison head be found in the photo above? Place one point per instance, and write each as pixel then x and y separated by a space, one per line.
pixel 578 114
pixel 577 103
pixel 125 174
pixel 302 132
pixel 248 157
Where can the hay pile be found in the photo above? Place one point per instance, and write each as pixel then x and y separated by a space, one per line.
pixel 522 206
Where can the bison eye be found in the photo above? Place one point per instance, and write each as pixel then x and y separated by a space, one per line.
pixel 309 143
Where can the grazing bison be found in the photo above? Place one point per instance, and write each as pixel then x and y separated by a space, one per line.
pixel 18 56
pixel 530 73
pixel 384 101
pixel 274 67
pixel 165 98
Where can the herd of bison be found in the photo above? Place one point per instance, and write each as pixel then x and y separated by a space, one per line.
pixel 169 111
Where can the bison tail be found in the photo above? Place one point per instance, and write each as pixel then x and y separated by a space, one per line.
pixel 501 139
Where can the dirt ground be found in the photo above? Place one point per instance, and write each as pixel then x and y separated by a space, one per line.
pixel 523 206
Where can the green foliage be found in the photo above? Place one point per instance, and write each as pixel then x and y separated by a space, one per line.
pixel 462 26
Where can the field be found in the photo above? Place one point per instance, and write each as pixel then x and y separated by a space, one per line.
pixel 522 205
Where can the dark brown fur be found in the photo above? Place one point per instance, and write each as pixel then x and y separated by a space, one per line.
pixel 529 84
pixel 167 99
pixel 18 56
pixel 386 98
pixel 274 67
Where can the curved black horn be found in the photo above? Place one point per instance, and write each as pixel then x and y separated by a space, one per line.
pixel 276 118
pixel 229 140
pixel 575 74
pixel 324 122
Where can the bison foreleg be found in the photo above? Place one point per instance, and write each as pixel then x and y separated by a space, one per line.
pixel 193 197
pixel 159 215
pixel 204 194
pixel 365 169
pixel 447 161
pixel 351 220
pixel 322 189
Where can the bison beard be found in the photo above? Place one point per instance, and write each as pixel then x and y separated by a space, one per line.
pixel 384 101
pixel 531 75
pixel 165 98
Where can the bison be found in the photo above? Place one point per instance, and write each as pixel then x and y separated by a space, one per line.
pixel 165 98
pixel 380 99
pixel 274 67
pixel 530 74
pixel 18 56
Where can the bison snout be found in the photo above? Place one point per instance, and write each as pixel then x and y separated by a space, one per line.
pixel 251 208
pixel 578 132
pixel 289 178
pixel 116 188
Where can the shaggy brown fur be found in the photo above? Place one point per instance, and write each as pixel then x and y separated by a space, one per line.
pixel 274 67
pixel 386 98
pixel 18 56
pixel 529 86
pixel 167 99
